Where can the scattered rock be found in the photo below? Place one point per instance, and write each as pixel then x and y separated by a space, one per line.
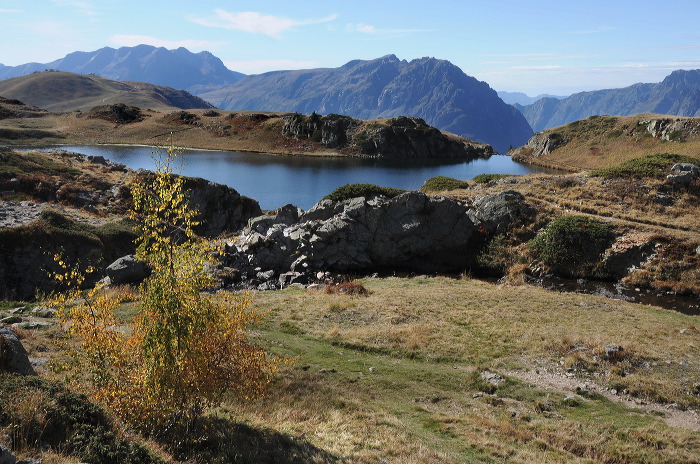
pixel 6 456
pixel 492 378
pixel 613 352
pixel 514 413
pixel 683 174
pixel 13 356
pixel 126 270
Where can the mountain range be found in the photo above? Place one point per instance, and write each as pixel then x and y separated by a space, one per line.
pixel 179 68
pixel 434 90
pixel 523 99
pixel 678 94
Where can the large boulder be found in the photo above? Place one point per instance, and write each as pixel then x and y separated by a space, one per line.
pixel 683 174
pixel 127 270
pixel 222 209
pixel 411 231
pixel 13 356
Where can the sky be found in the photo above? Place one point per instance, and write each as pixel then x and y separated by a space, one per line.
pixel 535 46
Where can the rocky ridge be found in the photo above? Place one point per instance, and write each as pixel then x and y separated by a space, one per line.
pixel 411 232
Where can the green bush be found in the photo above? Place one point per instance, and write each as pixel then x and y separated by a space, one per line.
pixel 37 413
pixel 645 166
pixel 362 190
pixel 486 178
pixel 572 244
pixel 442 184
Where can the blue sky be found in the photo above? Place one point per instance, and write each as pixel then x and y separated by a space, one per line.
pixel 534 46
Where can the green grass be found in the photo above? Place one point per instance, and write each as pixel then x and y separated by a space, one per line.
pixel 654 166
pixel 443 184
pixel 30 163
pixel 486 178
pixel 396 375
pixel 348 191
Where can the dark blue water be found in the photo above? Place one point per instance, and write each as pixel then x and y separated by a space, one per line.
pixel 275 180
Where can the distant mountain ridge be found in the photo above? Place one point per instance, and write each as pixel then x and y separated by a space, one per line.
pixel 62 91
pixel 678 94
pixel 434 90
pixel 179 68
pixel 520 98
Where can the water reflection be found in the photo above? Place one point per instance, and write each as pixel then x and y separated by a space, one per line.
pixel 275 180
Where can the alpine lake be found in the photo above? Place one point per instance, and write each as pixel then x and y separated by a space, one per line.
pixel 276 180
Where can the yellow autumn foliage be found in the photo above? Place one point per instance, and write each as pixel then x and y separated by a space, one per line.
pixel 186 348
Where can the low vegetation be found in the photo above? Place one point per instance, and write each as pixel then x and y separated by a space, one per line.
pixel 486 178
pixel 650 166
pixel 443 184
pixel 348 191
pixel 572 244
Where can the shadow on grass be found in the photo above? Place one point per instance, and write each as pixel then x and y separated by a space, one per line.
pixel 230 442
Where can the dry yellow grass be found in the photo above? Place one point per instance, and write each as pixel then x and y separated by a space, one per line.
pixel 604 141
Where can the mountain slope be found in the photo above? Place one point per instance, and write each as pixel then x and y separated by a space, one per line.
pixel 179 69
pixel 678 94
pixel 62 91
pixel 434 90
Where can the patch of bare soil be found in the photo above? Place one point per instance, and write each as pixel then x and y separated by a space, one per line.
pixel 554 378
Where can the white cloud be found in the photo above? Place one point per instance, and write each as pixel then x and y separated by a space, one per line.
pixel 372 30
pixel 257 23
pixel 84 7
pixel 261 66
pixel 133 40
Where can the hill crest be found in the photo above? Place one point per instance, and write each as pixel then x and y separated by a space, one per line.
pixel 63 91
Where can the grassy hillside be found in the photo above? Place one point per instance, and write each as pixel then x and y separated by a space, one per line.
pixel 428 370
pixel 62 91
pixel 604 141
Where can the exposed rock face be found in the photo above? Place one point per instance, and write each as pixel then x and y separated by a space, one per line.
pixel 542 143
pixel 222 209
pixel 627 254
pixel 683 174
pixel 412 231
pixel 402 137
pixel 30 233
pixel 13 356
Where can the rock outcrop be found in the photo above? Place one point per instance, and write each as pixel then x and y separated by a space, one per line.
pixel 13 356
pixel 683 174
pixel 401 137
pixel 126 270
pixel 542 143
pixel 412 231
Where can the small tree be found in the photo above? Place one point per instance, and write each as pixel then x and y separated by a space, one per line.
pixel 185 348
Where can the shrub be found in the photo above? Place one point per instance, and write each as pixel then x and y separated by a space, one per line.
pixel 348 191
pixel 37 413
pixel 646 166
pixel 186 348
pixel 347 288
pixel 572 244
pixel 442 184
pixel 486 178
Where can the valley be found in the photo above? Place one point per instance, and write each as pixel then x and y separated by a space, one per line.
pixel 411 325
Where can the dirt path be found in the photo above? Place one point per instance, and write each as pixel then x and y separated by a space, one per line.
pixel 561 382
